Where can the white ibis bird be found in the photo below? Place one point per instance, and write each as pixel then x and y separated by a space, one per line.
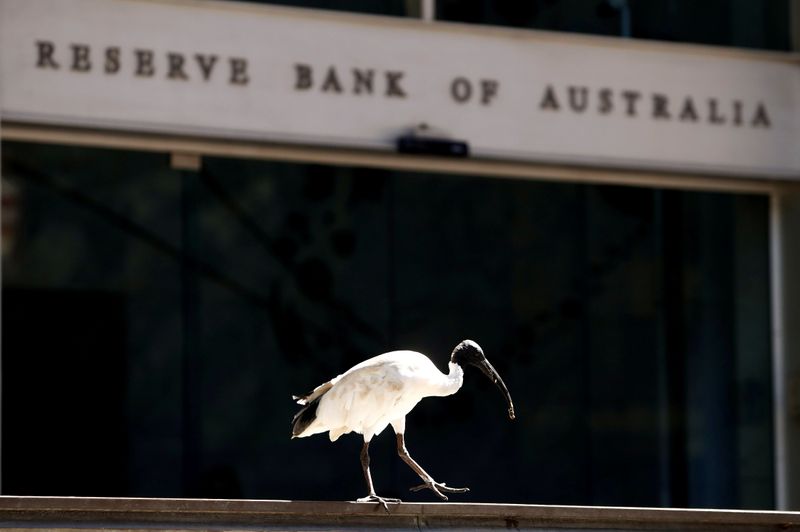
pixel 379 392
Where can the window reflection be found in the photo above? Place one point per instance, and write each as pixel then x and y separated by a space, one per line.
pixel 156 323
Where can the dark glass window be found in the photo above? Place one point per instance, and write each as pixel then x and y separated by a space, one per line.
pixel 757 24
pixel 761 24
pixel 156 323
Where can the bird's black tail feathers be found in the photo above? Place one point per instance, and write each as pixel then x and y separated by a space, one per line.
pixel 305 417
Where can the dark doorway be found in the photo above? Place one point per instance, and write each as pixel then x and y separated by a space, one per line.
pixel 63 392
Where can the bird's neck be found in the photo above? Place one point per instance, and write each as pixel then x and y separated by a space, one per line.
pixel 452 382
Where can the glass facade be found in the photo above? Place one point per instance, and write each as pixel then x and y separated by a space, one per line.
pixel 156 323
pixel 758 24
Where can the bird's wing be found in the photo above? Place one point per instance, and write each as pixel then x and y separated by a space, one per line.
pixel 316 392
pixel 368 396
pixel 324 387
pixel 363 396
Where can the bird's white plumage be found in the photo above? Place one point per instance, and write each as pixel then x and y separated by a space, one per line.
pixel 379 391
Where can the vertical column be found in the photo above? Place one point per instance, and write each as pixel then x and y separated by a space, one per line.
pixel 428 10
pixel 191 415
pixel 794 20
pixel 423 9
pixel 785 258
pixel 1 327
pixel 752 403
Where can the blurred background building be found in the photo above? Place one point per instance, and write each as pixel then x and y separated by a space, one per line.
pixel 165 292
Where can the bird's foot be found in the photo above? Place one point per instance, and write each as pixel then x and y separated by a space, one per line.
pixel 381 500
pixel 438 488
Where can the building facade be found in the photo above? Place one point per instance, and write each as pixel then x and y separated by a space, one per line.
pixel 209 206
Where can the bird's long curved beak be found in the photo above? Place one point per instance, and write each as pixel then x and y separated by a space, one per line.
pixel 490 372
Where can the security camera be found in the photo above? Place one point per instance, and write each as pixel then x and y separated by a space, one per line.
pixel 418 145
pixel 425 140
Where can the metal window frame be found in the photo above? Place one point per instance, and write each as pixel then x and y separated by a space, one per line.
pixel 784 236
pixel 779 410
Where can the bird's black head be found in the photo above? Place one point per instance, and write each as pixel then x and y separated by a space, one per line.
pixel 468 352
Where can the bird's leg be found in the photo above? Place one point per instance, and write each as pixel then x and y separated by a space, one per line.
pixel 372 497
pixel 429 483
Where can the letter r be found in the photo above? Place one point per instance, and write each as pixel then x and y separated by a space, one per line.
pixel 45 50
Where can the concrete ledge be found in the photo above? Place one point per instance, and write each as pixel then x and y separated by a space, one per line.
pixel 71 513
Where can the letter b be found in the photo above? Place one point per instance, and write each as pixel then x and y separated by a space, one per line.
pixel 303 79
